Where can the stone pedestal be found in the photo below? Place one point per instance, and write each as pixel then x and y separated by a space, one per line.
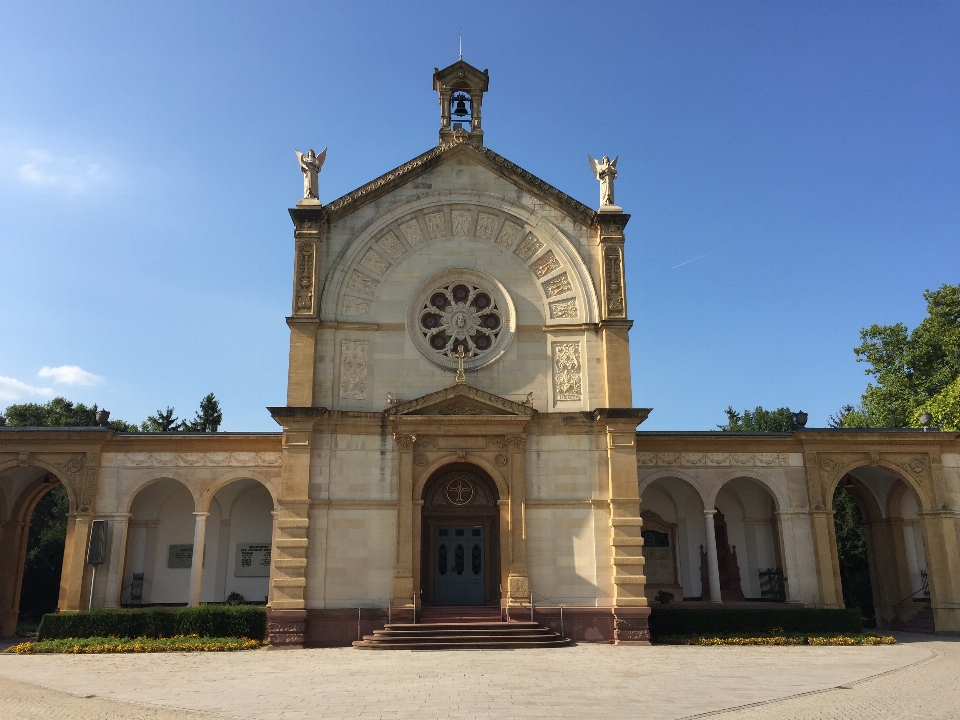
pixel 286 629
pixel 631 626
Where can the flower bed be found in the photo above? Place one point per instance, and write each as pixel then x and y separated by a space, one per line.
pixel 780 639
pixel 96 645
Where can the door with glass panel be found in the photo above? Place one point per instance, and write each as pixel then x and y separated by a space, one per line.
pixel 458 564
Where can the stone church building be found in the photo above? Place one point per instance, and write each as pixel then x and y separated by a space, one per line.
pixel 458 431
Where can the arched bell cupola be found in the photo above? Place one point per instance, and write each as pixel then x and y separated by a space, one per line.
pixel 461 87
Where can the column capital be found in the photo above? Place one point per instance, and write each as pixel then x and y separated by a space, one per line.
pixel 201 514
pixel 709 512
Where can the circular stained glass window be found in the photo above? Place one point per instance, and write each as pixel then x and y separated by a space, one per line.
pixel 461 311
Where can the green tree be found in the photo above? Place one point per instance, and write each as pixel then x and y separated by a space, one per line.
pixel 44 561
pixel 163 421
pixel 760 420
pixel 914 370
pixel 59 412
pixel 852 552
pixel 208 417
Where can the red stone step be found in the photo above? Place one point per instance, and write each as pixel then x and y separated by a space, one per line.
pixel 461 635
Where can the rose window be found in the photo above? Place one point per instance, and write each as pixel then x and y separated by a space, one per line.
pixel 466 313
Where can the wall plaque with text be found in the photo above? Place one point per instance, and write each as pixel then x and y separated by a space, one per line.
pixel 180 556
pixel 253 560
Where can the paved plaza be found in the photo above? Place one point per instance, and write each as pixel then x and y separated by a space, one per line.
pixel 920 677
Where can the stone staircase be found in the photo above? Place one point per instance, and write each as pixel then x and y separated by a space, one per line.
pixel 461 628
pixel 921 622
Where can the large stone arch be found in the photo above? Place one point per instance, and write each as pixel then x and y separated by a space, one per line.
pixel 149 477
pixel 837 471
pixel 432 469
pixel 551 257
pixel 206 495
pixel 776 490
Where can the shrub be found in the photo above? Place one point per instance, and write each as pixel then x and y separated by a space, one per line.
pixel 242 621
pixel 677 621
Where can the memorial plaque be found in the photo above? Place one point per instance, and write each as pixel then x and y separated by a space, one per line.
pixel 180 556
pixel 253 560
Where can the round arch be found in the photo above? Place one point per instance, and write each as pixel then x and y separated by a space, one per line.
pixel 206 496
pixel 126 502
pixel 432 470
pixel 673 474
pixel 50 469
pixel 834 482
pixel 780 500
pixel 365 238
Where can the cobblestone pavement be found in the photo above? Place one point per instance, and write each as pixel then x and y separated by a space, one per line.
pixel 918 678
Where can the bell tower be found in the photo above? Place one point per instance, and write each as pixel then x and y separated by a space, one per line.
pixel 461 87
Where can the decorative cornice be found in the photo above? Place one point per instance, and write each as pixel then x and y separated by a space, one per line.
pixel 422 163
pixel 638 414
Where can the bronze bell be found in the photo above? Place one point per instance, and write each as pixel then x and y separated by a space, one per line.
pixel 461 109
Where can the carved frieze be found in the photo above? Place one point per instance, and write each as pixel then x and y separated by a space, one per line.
pixel 436 225
pixel 373 262
pixel 426 442
pixel 353 369
pixel 363 283
pixel 508 233
pixel 355 306
pixel 649 459
pixel 545 264
pixel 528 248
pixel 461 223
pixel 460 408
pixel 557 285
pixel 613 274
pixel 169 459
pixel 485 224
pixel 391 245
pixel 411 229
pixel 566 371
pixel 306 252
pixel 564 309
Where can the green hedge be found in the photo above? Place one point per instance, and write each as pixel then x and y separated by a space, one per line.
pixel 244 621
pixel 675 621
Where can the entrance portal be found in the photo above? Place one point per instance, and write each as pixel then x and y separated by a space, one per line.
pixel 461 529
pixel 458 566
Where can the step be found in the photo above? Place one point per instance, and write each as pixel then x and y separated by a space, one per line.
pixel 460 625
pixel 466 645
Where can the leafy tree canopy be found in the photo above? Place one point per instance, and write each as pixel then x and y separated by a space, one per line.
pixel 59 412
pixel 760 420
pixel 914 371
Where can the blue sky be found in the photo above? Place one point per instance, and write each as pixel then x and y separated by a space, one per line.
pixel 792 169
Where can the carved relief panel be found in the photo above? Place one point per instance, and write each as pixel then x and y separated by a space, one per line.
pixel 567 375
pixel 613 281
pixel 353 369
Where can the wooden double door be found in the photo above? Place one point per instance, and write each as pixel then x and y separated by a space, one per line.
pixel 459 565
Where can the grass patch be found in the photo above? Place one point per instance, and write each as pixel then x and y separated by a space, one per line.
pixel 98 645
pixel 779 639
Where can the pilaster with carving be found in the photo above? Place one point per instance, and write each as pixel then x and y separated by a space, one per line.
pixel 308 234
pixel 614 323
pixel 403 588
pixel 518 582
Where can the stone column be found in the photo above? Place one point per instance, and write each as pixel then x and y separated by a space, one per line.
pixel 713 567
pixel 518 583
pixel 403 588
pixel 74 562
pixel 117 530
pixel 614 324
pixel 940 545
pixel 13 537
pixel 196 568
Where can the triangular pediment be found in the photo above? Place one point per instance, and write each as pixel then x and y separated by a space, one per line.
pixel 462 400
pixel 457 149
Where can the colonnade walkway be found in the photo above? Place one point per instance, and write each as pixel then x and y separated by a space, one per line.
pixel 920 677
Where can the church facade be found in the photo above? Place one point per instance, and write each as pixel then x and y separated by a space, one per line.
pixel 458 431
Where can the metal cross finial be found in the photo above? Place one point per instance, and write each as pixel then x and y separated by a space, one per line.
pixel 460 355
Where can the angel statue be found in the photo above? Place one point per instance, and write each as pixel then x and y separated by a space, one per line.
pixel 606 172
pixel 310 165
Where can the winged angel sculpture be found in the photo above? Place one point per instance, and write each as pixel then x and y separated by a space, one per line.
pixel 606 172
pixel 310 165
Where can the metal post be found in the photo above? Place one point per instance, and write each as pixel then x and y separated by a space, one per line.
pixel 561 621
pixel 358 624
pixel 414 607
pixel 390 610
pixel 531 606
pixel 93 579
